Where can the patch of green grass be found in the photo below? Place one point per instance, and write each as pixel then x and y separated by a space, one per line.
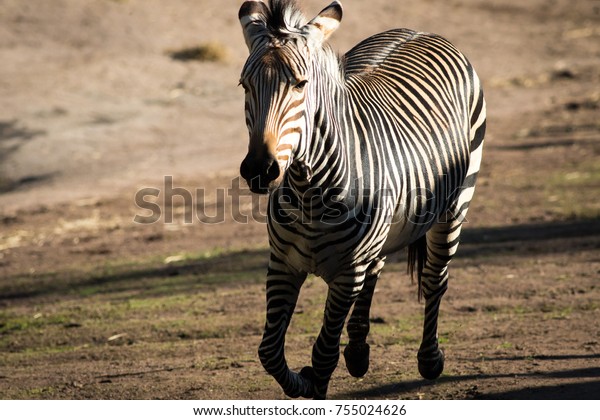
pixel 558 313
pixel 13 325
pixel 589 306
pixel 443 339
pixel 43 392
pixel 10 323
pixel 308 321
pixel 405 331
pixel 151 304
pixel 147 300
pixel 49 350
pixel 572 192
pixel 520 310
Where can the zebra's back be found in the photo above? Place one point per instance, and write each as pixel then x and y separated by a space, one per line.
pixel 399 53
pixel 409 69
pixel 430 98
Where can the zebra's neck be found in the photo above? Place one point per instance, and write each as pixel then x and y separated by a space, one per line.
pixel 324 168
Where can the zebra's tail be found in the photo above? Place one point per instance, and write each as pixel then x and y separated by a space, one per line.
pixel 417 254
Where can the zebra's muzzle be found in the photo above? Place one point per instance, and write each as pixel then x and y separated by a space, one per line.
pixel 260 174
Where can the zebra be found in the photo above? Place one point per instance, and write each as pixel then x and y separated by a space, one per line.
pixel 362 155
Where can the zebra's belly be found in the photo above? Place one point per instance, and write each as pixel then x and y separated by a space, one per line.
pixel 327 255
pixel 327 249
pixel 402 232
pixel 398 238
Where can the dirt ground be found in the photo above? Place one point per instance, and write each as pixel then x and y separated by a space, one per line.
pixel 95 106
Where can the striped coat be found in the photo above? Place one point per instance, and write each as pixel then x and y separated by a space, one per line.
pixel 363 156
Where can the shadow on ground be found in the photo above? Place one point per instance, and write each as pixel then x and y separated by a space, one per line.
pixel 531 238
pixel 582 389
pixel 13 136
pixel 155 279
pixel 243 266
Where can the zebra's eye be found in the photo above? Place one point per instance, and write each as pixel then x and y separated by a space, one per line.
pixel 300 85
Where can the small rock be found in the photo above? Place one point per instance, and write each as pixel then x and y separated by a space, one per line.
pixel 377 320
pixel 563 73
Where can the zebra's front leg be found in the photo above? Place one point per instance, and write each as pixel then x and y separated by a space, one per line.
pixel 342 293
pixel 283 288
pixel 356 353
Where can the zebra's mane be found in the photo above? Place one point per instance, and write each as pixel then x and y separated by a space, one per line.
pixel 285 16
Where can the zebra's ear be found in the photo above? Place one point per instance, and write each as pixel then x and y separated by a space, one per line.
pixel 253 18
pixel 326 22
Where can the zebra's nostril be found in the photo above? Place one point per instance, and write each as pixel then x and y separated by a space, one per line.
pixel 273 171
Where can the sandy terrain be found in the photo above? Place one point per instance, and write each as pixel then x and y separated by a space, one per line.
pixel 93 107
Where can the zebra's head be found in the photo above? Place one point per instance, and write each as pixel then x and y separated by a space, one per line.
pixel 277 81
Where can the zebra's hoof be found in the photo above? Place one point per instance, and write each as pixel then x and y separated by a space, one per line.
pixel 308 372
pixel 317 393
pixel 357 359
pixel 305 387
pixel 432 367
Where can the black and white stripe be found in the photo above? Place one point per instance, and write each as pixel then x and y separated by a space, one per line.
pixel 376 151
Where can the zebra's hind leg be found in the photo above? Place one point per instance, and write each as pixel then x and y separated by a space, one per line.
pixel 356 353
pixel 441 245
